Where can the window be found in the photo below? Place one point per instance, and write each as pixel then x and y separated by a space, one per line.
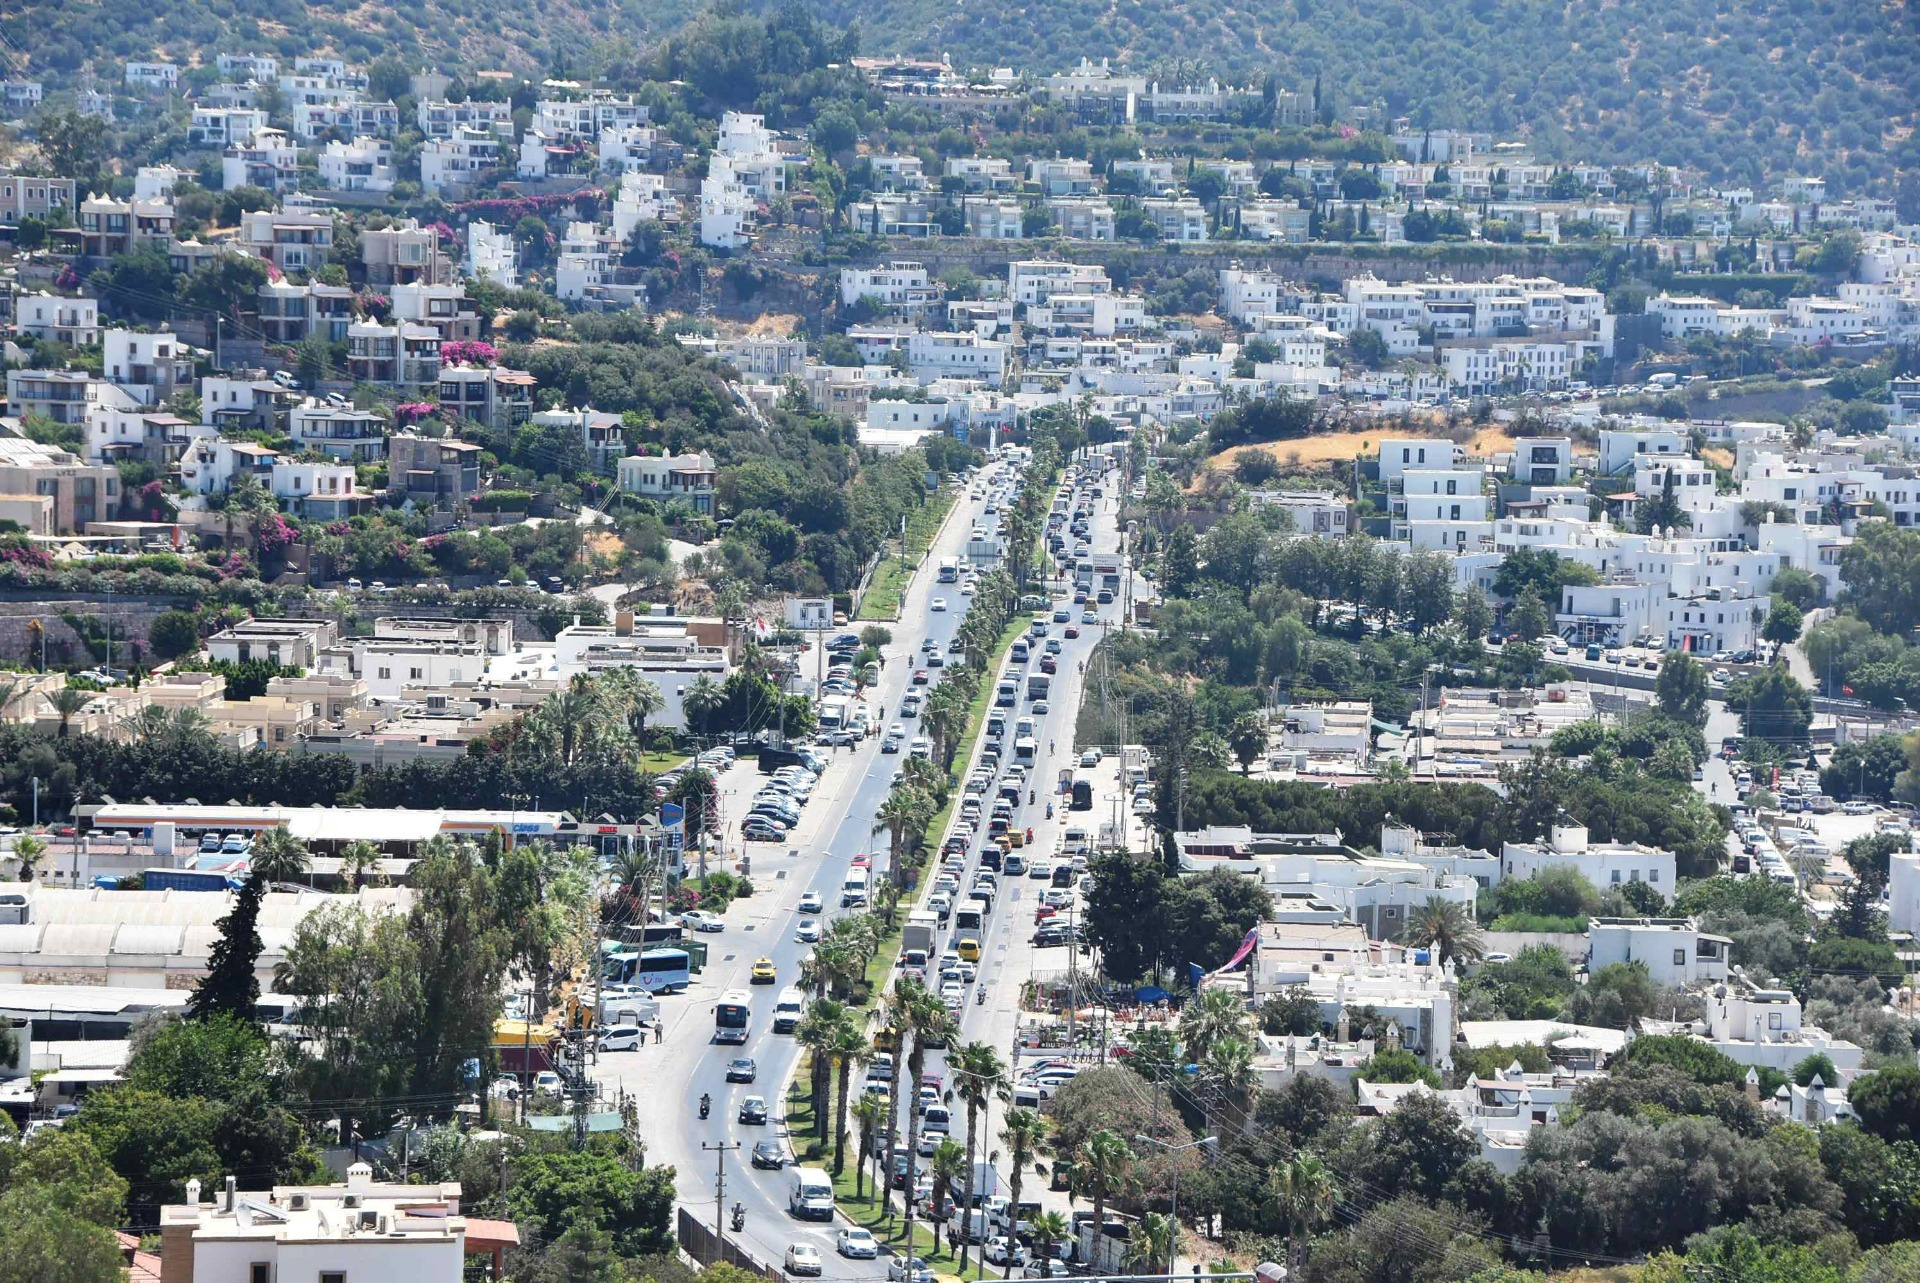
pixel 1679 957
pixel 260 1272
pixel 413 674
pixel 1616 875
pixel 1653 875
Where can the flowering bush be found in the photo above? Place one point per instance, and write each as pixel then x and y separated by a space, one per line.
pixel 273 534
pixel 410 411
pixel 468 352
pixel 682 898
pixel 26 556
pixel 68 278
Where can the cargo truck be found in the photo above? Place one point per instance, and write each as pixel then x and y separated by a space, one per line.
pixel 921 926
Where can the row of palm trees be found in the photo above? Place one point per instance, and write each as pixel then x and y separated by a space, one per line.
pixel 599 718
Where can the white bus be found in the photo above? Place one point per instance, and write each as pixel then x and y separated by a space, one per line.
pixel 731 1016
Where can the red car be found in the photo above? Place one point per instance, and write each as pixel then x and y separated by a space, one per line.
pixel 1073 631
pixel 919 677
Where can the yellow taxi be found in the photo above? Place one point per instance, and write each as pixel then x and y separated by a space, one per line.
pixel 969 948
pixel 764 972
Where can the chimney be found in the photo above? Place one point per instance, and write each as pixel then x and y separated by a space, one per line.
pixel 193 1192
pixel 233 1192
pixel 360 1176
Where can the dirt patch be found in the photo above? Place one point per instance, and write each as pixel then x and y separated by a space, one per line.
pixel 1341 447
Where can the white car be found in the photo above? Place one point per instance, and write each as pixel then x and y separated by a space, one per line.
pixel 622 1038
pixel 997 1250
pixel 812 903
pixel 938 603
pixel 857 1244
pixel 809 932
pixel 701 920
pixel 803 1258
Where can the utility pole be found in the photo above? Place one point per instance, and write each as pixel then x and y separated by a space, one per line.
pixel 719 1150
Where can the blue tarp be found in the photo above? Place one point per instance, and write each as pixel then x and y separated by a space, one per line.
pixel 1151 993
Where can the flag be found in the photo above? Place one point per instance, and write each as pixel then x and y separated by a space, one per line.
pixel 1247 944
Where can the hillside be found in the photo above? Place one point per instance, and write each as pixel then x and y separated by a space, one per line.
pixel 1739 88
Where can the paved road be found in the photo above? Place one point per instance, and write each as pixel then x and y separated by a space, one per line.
pixel 667 1080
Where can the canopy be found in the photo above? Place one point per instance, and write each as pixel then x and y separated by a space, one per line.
pixel 1151 993
pixel 350 824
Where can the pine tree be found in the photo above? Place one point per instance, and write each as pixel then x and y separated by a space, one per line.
pixel 230 984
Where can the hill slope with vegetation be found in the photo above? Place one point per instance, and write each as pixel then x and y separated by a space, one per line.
pixel 1741 89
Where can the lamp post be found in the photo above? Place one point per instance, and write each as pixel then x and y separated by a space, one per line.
pixel 1173 1239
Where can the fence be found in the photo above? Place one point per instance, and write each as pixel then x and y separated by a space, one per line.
pixel 699 1242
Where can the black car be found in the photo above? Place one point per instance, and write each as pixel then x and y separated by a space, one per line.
pixel 753 1110
pixel 845 641
pixel 769 1156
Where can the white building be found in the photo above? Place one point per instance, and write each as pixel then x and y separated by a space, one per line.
pixel 457 159
pixel 491 254
pixel 443 119
pixel 1604 864
pixel 153 75
pixel 901 286
pixel 956 356
pixel 331 1233
pixel 1674 951
pixel 363 165
pixel 642 198
pixel 1398 455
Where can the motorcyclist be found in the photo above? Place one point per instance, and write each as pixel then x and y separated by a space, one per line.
pixel 739 1215
pixel 706 1104
pixel 1049 810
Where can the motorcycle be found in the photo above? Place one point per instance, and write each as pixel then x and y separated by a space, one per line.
pixel 739 1217
pixel 1049 810
pixel 980 996
pixel 1032 795
pixel 706 1106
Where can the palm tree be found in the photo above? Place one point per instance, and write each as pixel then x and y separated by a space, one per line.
pixel 634 698
pixel 278 856
pixel 928 1022
pixel 1446 927
pixel 868 1115
pixel 849 1050
pixel 949 1171
pixel 359 861
pixel 1022 1132
pixel 27 850
pixel 1229 1063
pixel 1303 1187
pixel 978 1077
pixel 1152 1243
pixel 903 817
pixel 817 1032
pixel 1101 1170
pixel 1049 1228
pixel 701 700
pixel 67 701
pixel 895 1019
pixel 1212 1015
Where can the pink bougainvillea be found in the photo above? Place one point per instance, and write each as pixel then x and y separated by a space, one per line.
pixel 468 352
pixel 413 411
pixel 67 279
pixel 273 534
pixel 26 556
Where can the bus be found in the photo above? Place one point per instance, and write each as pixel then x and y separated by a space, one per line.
pixel 655 970
pixel 853 893
pixel 731 1015
pixel 949 569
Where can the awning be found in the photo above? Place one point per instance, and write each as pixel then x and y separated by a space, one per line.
pixel 347 824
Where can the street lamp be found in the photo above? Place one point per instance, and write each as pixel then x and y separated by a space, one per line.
pixel 1173 1239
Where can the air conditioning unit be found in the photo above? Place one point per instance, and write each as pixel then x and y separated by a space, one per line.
pixel 297 1202
pixel 350 1200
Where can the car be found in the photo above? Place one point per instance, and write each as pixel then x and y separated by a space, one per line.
pixel 209 844
pixel 1041 707
pixel 1001 1250
pixel 812 903
pixel 1061 615
pixel 1089 758
pixel 764 972
pixel 909 1270
pixel 755 829
pixel 622 1038
pixel 802 1258
pixel 742 1069
pixel 701 920
pixel 938 603
pixel 753 1111
pixel 547 1080
pixel 769 1156
pixel 1088 617
pixel 1497 956
pixel 856 1244
pixel 891 744
pixel 920 677
pixel 1072 632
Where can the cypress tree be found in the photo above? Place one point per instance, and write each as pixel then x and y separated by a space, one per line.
pixel 230 985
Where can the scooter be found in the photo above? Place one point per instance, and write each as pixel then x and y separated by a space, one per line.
pixel 1049 810
pixel 739 1217
pixel 706 1106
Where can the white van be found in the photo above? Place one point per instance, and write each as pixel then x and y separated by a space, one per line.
pixel 810 1196
pixel 788 1010
pixel 853 892
pixel 622 1038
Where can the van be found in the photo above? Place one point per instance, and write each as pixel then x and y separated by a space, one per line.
pixel 1020 651
pixel 788 1010
pixel 810 1196
pixel 1005 694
